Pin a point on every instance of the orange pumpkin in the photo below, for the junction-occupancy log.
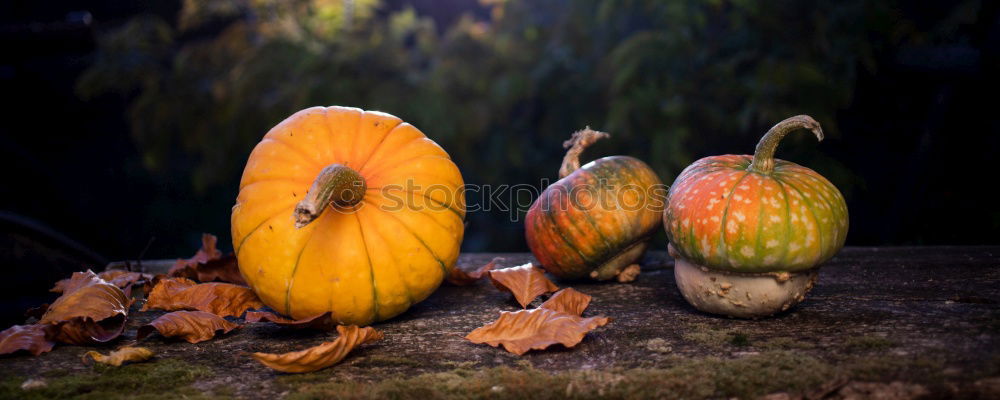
(348, 211)
(596, 220)
(752, 214)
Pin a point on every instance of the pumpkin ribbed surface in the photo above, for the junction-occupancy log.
(725, 215)
(594, 214)
(364, 263)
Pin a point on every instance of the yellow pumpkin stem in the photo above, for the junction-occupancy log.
(763, 156)
(336, 185)
(580, 141)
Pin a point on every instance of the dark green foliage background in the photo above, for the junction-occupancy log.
(500, 84)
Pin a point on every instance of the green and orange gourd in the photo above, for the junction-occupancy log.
(596, 220)
(748, 232)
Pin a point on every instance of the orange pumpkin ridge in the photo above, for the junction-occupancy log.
(775, 216)
(352, 179)
(580, 226)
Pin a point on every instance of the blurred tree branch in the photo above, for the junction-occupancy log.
(672, 81)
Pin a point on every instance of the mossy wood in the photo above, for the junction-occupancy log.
(916, 318)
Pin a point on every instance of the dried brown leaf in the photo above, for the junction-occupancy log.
(192, 326)
(85, 330)
(72, 283)
(120, 356)
(525, 282)
(208, 265)
(222, 299)
(224, 269)
(150, 284)
(117, 277)
(124, 279)
(207, 251)
(536, 329)
(87, 295)
(569, 301)
(322, 322)
(323, 355)
(90, 310)
(460, 277)
(35, 339)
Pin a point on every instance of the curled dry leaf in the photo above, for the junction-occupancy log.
(35, 339)
(525, 282)
(222, 299)
(90, 310)
(322, 356)
(192, 326)
(460, 277)
(150, 284)
(85, 330)
(208, 264)
(124, 279)
(72, 283)
(120, 356)
(117, 277)
(87, 295)
(536, 329)
(569, 301)
(322, 322)
(207, 251)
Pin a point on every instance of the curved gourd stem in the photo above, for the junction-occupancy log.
(336, 185)
(763, 156)
(580, 141)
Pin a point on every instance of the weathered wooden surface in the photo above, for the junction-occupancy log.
(928, 317)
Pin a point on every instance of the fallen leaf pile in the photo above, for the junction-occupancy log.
(93, 309)
(321, 356)
(120, 356)
(192, 326)
(460, 277)
(558, 320)
(208, 265)
(90, 311)
(222, 299)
